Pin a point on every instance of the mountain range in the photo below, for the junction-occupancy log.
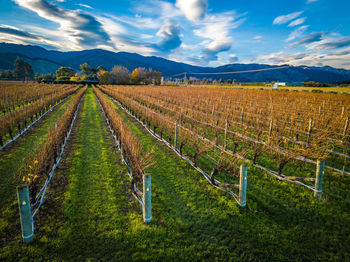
(47, 61)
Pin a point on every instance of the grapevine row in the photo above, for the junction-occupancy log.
(39, 165)
(19, 119)
(283, 150)
(130, 145)
(13, 96)
(222, 165)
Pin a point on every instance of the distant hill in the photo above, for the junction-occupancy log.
(45, 61)
(39, 65)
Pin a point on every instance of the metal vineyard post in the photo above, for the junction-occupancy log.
(147, 204)
(25, 213)
(319, 178)
(243, 185)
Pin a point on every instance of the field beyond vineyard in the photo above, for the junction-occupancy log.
(85, 150)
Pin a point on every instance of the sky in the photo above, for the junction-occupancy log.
(198, 32)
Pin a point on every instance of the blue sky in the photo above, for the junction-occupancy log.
(200, 32)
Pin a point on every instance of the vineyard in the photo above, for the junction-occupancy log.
(173, 173)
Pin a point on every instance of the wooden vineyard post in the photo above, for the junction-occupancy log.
(147, 204)
(225, 142)
(146, 117)
(25, 213)
(270, 130)
(319, 178)
(175, 138)
(243, 185)
(7, 106)
(309, 131)
(242, 114)
(345, 129)
(24, 118)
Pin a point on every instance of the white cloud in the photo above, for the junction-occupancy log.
(312, 58)
(232, 59)
(150, 14)
(82, 30)
(282, 19)
(194, 10)
(170, 34)
(297, 33)
(335, 44)
(341, 52)
(161, 9)
(145, 36)
(111, 26)
(188, 47)
(86, 6)
(258, 38)
(124, 43)
(309, 41)
(298, 21)
(18, 35)
(218, 28)
(139, 21)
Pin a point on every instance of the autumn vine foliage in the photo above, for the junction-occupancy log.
(188, 141)
(39, 165)
(288, 126)
(130, 145)
(16, 95)
(28, 105)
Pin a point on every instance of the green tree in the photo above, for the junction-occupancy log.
(86, 69)
(8, 74)
(139, 75)
(37, 77)
(64, 73)
(101, 68)
(104, 77)
(23, 71)
(50, 77)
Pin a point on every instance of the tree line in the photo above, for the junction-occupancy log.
(118, 75)
(23, 71)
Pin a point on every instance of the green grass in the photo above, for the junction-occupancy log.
(282, 221)
(10, 167)
(97, 202)
(90, 215)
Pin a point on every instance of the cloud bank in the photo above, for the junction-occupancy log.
(170, 33)
(194, 10)
(83, 30)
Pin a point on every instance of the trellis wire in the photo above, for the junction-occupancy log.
(206, 176)
(40, 197)
(29, 126)
(304, 159)
(271, 172)
(124, 158)
(300, 158)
